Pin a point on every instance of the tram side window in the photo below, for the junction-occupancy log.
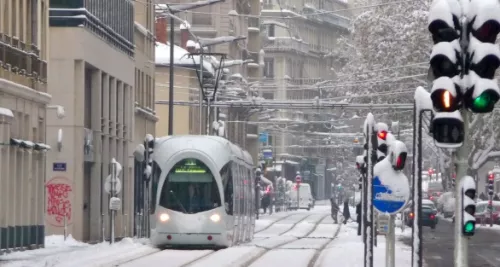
(190, 187)
(227, 183)
(236, 182)
(155, 179)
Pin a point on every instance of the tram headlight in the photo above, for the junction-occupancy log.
(215, 218)
(164, 217)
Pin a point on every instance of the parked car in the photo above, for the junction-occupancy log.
(483, 214)
(446, 204)
(429, 217)
(429, 203)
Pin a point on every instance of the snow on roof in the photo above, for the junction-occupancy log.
(181, 58)
(6, 112)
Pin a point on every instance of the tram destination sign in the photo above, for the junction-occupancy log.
(189, 166)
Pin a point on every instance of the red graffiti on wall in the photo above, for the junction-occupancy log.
(59, 200)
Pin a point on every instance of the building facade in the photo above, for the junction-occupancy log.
(299, 55)
(229, 18)
(144, 87)
(92, 75)
(23, 117)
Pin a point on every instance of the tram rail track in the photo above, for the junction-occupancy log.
(275, 222)
(306, 235)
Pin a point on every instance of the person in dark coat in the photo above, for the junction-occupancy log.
(346, 213)
(335, 210)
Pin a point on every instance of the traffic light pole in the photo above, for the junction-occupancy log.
(461, 255)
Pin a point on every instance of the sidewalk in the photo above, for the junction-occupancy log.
(347, 250)
(71, 253)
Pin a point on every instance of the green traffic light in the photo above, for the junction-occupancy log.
(469, 228)
(484, 102)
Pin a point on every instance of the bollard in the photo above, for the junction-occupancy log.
(65, 227)
(103, 228)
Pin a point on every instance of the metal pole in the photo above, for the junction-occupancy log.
(103, 228)
(417, 189)
(171, 82)
(112, 219)
(491, 211)
(369, 208)
(200, 98)
(390, 248)
(65, 227)
(208, 116)
(461, 242)
(374, 218)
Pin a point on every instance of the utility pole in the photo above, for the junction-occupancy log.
(463, 62)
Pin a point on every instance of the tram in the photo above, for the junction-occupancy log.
(202, 192)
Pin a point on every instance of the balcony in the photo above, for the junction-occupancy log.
(330, 18)
(282, 44)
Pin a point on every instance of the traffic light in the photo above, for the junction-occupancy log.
(483, 56)
(491, 184)
(382, 132)
(397, 155)
(468, 206)
(444, 25)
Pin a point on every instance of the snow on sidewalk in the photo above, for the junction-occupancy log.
(347, 250)
(71, 253)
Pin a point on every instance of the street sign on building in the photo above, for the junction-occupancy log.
(267, 154)
(263, 137)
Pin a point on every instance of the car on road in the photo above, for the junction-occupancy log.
(446, 204)
(483, 214)
(429, 217)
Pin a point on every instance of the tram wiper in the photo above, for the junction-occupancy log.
(178, 202)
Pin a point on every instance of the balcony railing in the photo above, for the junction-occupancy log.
(330, 18)
(286, 43)
(22, 59)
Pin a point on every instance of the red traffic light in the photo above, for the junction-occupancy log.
(491, 176)
(400, 162)
(298, 179)
(382, 135)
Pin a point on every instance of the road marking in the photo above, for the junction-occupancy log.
(486, 259)
(436, 257)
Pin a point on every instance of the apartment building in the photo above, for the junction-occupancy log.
(144, 40)
(229, 18)
(23, 117)
(298, 53)
(92, 74)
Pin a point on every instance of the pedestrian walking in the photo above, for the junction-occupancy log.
(335, 210)
(346, 213)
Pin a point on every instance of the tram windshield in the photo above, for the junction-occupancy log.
(190, 187)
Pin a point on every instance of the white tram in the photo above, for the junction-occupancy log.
(203, 192)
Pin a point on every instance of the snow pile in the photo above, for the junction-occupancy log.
(347, 250)
(71, 253)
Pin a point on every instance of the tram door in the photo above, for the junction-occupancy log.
(236, 199)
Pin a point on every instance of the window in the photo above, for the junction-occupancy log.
(227, 184)
(268, 95)
(155, 178)
(190, 187)
(202, 16)
(270, 30)
(269, 67)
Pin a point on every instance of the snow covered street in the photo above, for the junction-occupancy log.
(292, 239)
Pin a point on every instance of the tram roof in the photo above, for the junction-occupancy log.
(219, 149)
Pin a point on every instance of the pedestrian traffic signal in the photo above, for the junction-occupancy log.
(483, 56)
(382, 132)
(491, 184)
(397, 155)
(468, 206)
